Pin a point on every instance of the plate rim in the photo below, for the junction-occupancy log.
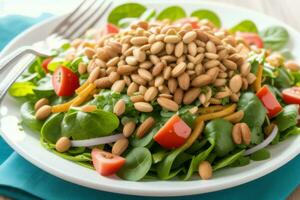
(116, 189)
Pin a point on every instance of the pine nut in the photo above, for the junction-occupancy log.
(167, 72)
(140, 40)
(143, 107)
(201, 80)
(138, 79)
(205, 170)
(63, 144)
(126, 69)
(120, 146)
(235, 117)
(157, 47)
(235, 83)
(113, 77)
(159, 80)
(251, 78)
(169, 48)
(113, 62)
(172, 85)
(145, 127)
(131, 60)
(245, 69)
(146, 65)
(220, 82)
(211, 47)
(191, 95)
(212, 56)
(189, 37)
(292, 65)
(184, 81)
(179, 69)
(137, 98)
(43, 112)
(145, 74)
(178, 96)
(128, 128)
(167, 104)
(40, 103)
(172, 39)
(118, 86)
(157, 69)
(89, 52)
(119, 107)
(150, 94)
(132, 88)
(213, 73)
(212, 63)
(103, 82)
(139, 55)
(88, 108)
(192, 49)
(230, 64)
(94, 75)
(82, 68)
(179, 49)
(142, 89)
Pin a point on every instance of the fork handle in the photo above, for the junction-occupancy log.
(14, 73)
(13, 56)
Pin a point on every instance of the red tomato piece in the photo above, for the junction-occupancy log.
(173, 134)
(106, 163)
(291, 95)
(45, 64)
(109, 28)
(251, 39)
(64, 81)
(269, 101)
(189, 20)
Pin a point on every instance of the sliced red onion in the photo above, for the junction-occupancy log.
(265, 143)
(96, 141)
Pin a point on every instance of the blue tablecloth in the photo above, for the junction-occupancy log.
(21, 180)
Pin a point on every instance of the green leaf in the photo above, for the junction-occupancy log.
(138, 163)
(284, 79)
(219, 131)
(21, 89)
(227, 160)
(289, 132)
(148, 15)
(172, 13)
(261, 154)
(209, 15)
(44, 87)
(249, 102)
(81, 125)
(128, 10)
(244, 26)
(51, 130)
(147, 140)
(275, 37)
(287, 118)
(159, 156)
(28, 117)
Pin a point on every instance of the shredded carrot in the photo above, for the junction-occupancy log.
(227, 111)
(62, 107)
(210, 109)
(257, 82)
(82, 87)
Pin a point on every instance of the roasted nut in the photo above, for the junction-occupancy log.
(145, 127)
(167, 104)
(43, 112)
(119, 107)
(205, 170)
(143, 107)
(120, 146)
(41, 103)
(63, 144)
(128, 128)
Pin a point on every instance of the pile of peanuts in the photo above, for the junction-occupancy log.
(169, 64)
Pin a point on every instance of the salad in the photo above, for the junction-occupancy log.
(163, 95)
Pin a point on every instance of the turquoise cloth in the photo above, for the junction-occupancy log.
(19, 179)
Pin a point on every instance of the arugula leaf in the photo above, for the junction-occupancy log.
(209, 15)
(287, 118)
(289, 132)
(228, 160)
(128, 10)
(261, 154)
(244, 26)
(248, 103)
(275, 37)
(21, 89)
(81, 125)
(172, 13)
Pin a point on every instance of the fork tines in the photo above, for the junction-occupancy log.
(84, 17)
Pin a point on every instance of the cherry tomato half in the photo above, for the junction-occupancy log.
(106, 163)
(251, 39)
(45, 64)
(64, 81)
(109, 28)
(291, 95)
(269, 101)
(173, 134)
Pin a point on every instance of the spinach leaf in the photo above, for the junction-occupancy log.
(138, 163)
(284, 79)
(21, 89)
(196, 161)
(147, 140)
(198, 144)
(44, 87)
(51, 130)
(244, 26)
(124, 11)
(159, 156)
(227, 160)
(287, 54)
(81, 125)
(289, 132)
(219, 131)
(261, 154)
(254, 115)
(287, 118)
(172, 13)
(181, 159)
(242, 161)
(275, 37)
(209, 15)
(28, 117)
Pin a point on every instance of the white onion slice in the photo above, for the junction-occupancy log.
(265, 143)
(96, 141)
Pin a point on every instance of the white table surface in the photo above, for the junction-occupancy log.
(284, 10)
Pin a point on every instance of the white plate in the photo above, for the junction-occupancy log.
(27, 144)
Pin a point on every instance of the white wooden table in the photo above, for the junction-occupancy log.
(284, 10)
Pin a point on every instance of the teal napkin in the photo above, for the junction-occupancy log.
(19, 179)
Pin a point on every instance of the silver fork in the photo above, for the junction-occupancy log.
(85, 16)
